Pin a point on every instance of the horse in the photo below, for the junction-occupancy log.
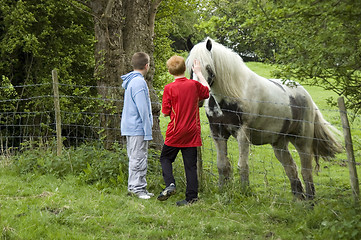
(256, 110)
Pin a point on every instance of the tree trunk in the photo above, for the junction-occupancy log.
(122, 27)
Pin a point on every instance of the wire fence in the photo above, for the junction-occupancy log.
(27, 114)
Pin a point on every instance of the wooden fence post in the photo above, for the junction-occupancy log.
(59, 143)
(349, 149)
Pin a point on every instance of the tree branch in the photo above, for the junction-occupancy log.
(108, 9)
(152, 13)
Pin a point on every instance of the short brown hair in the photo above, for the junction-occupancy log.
(139, 60)
(176, 65)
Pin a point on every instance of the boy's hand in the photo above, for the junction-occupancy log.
(197, 70)
(196, 66)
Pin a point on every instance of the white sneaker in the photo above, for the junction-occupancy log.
(143, 195)
(149, 193)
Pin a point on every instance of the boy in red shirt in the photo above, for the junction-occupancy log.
(180, 102)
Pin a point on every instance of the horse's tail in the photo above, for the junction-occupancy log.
(325, 142)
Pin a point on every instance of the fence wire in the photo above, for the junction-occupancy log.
(27, 114)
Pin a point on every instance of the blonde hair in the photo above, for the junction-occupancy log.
(176, 65)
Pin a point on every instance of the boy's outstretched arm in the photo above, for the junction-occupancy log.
(197, 70)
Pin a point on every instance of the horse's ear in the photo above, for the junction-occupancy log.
(209, 44)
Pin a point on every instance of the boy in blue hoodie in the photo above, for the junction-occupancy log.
(136, 124)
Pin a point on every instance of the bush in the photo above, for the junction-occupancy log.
(92, 163)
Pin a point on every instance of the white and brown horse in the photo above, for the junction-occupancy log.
(258, 111)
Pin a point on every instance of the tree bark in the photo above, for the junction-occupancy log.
(122, 27)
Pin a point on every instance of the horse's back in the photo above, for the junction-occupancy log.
(278, 111)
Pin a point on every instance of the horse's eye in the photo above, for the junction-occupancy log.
(210, 71)
(211, 75)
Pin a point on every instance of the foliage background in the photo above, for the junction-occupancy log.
(81, 195)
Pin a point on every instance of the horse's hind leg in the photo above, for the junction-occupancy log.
(284, 156)
(223, 163)
(304, 151)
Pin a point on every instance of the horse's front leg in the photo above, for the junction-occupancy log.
(243, 140)
(223, 164)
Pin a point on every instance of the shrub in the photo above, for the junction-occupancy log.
(92, 163)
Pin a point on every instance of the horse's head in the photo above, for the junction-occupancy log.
(202, 52)
(223, 68)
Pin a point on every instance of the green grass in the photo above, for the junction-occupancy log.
(38, 205)
(44, 207)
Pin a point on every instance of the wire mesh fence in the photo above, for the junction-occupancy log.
(27, 115)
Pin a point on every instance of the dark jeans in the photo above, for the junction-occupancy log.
(189, 154)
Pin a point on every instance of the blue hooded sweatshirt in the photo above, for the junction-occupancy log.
(137, 119)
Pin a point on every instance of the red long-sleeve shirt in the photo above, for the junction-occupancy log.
(180, 102)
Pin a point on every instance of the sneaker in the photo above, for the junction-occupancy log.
(185, 202)
(167, 192)
(142, 195)
(149, 193)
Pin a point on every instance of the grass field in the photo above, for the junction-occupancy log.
(44, 206)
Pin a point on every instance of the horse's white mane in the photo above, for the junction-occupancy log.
(230, 71)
